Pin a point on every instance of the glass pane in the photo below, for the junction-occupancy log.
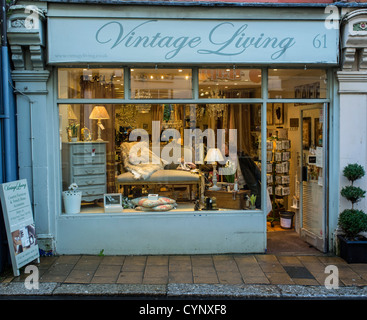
(312, 171)
(161, 83)
(142, 149)
(88, 149)
(77, 83)
(229, 83)
(297, 84)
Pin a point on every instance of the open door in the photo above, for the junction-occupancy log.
(314, 175)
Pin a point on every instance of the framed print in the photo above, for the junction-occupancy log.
(112, 202)
(306, 133)
(318, 133)
(278, 112)
(255, 115)
(269, 114)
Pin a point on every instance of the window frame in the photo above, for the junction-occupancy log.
(264, 100)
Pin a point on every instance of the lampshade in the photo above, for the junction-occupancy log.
(71, 113)
(214, 155)
(99, 112)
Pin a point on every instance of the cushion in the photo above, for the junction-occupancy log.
(162, 176)
(149, 203)
(162, 207)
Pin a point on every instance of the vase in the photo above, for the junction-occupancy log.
(72, 201)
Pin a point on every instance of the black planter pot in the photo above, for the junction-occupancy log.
(353, 251)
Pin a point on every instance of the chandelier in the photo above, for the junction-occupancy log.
(172, 123)
(216, 110)
(143, 108)
(126, 116)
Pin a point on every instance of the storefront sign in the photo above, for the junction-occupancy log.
(19, 223)
(191, 41)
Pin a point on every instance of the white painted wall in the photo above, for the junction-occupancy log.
(353, 140)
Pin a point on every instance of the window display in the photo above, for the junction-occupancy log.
(164, 149)
(229, 83)
(124, 149)
(297, 83)
(77, 83)
(161, 83)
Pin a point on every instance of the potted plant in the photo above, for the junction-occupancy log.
(72, 199)
(353, 246)
(72, 130)
(252, 202)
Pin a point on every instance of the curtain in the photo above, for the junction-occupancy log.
(239, 118)
(92, 90)
(157, 112)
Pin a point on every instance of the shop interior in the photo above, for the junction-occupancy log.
(293, 145)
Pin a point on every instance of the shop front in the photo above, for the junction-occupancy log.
(206, 123)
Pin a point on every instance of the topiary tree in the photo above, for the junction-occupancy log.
(353, 172)
(353, 194)
(352, 221)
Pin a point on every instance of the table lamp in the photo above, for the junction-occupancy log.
(99, 113)
(213, 156)
(71, 113)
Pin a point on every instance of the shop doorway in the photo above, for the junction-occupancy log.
(297, 177)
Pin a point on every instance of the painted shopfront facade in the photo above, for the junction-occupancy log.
(265, 82)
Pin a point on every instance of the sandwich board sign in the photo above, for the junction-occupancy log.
(19, 223)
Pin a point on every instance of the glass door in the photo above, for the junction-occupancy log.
(314, 173)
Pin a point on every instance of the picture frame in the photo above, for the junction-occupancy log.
(306, 133)
(278, 113)
(317, 132)
(112, 202)
(269, 114)
(255, 115)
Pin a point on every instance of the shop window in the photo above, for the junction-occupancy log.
(229, 83)
(297, 84)
(165, 149)
(161, 83)
(77, 83)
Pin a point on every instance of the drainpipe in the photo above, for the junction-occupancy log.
(9, 126)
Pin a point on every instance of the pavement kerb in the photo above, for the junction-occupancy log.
(15, 290)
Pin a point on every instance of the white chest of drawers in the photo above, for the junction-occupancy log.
(85, 164)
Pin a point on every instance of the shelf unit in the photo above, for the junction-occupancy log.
(277, 175)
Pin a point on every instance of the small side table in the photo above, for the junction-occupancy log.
(229, 200)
